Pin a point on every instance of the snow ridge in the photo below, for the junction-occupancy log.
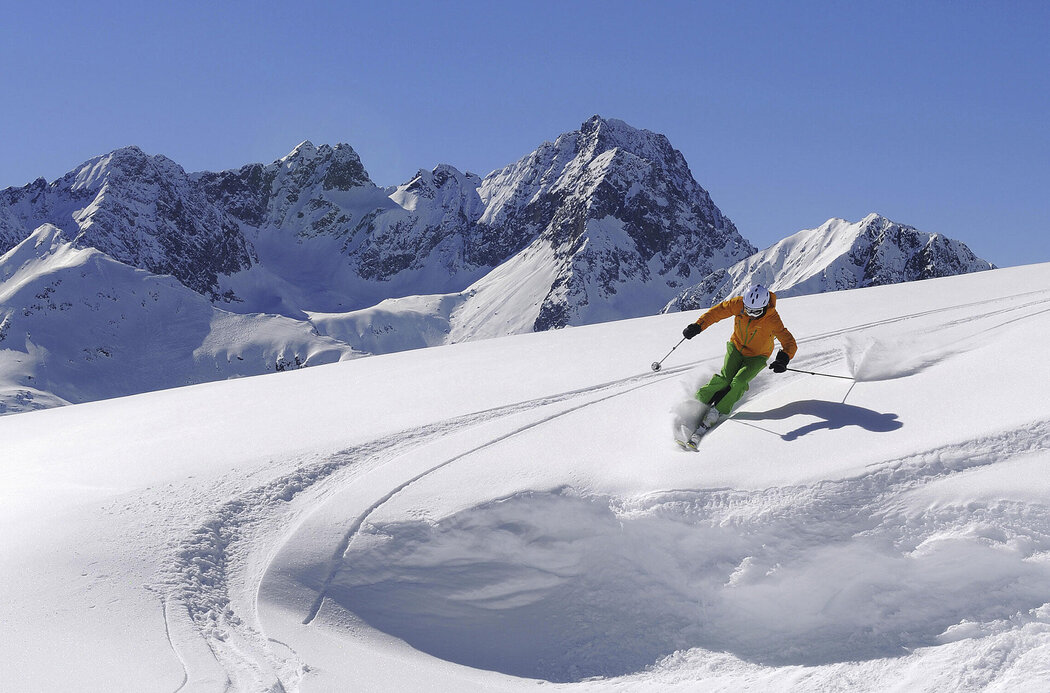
(835, 256)
(76, 325)
(690, 562)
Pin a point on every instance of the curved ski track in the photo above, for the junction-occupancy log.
(199, 580)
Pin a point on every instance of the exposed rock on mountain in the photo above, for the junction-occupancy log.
(328, 239)
(138, 209)
(435, 226)
(834, 256)
(298, 192)
(625, 219)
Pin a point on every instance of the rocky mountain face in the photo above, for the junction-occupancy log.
(834, 256)
(437, 217)
(623, 216)
(328, 239)
(296, 191)
(141, 210)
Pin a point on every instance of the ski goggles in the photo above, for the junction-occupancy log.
(754, 312)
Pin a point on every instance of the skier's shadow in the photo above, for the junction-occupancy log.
(834, 414)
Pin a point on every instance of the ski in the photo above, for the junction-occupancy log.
(687, 445)
(684, 438)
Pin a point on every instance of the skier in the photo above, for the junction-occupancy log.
(755, 324)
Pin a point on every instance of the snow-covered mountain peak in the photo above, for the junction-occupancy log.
(46, 234)
(598, 135)
(621, 212)
(443, 183)
(21, 261)
(610, 132)
(129, 164)
(334, 168)
(141, 210)
(559, 165)
(301, 194)
(838, 255)
(304, 149)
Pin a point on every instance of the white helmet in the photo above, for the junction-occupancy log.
(756, 298)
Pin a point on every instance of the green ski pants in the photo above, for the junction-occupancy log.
(726, 388)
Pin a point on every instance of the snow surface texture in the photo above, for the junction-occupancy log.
(508, 513)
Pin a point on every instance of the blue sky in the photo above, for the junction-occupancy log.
(934, 114)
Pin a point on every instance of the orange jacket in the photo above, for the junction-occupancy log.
(752, 336)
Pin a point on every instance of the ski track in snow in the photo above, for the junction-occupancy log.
(742, 539)
(199, 580)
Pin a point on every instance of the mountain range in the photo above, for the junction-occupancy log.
(129, 274)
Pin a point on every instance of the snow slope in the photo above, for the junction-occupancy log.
(511, 514)
(77, 325)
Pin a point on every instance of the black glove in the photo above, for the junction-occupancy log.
(780, 363)
(691, 330)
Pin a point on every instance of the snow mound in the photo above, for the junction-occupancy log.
(564, 587)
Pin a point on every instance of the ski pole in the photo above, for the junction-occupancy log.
(826, 375)
(656, 364)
